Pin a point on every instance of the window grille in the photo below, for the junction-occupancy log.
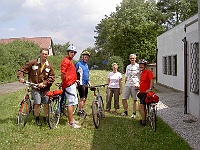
(194, 67)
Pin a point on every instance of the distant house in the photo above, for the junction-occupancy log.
(42, 42)
(178, 62)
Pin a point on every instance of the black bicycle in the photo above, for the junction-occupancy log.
(98, 111)
(57, 106)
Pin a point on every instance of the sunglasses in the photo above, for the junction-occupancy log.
(131, 58)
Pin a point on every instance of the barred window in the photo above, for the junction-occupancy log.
(164, 64)
(194, 67)
(174, 65)
(169, 65)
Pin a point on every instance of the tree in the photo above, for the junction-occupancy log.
(131, 29)
(61, 49)
(118, 60)
(173, 12)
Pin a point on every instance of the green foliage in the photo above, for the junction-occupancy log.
(173, 12)
(131, 29)
(61, 49)
(13, 56)
(118, 60)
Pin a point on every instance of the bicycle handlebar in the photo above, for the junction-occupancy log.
(101, 85)
(27, 83)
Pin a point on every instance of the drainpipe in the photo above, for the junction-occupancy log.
(156, 65)
(185, 75)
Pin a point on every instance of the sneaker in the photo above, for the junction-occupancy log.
(37, 120)
(45, 120)
(81, 113)
(143, 124)
(133, 116)
(124, 114)
(74, 126)
(76, 122)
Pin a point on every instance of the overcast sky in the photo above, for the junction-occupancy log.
(63, 20)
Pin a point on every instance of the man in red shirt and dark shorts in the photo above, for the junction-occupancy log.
(146, 85)
(68, 77)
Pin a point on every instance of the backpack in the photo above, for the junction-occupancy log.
(151, 98)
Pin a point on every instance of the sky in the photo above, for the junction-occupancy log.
(62, 20)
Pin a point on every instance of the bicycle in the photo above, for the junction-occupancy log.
(98, 111)
(25, 105)
(57, 106)
(152, 115)
(151, 100)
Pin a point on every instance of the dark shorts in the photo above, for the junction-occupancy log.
(142, 97)
(83, 91)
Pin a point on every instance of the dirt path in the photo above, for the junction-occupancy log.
(11, 87)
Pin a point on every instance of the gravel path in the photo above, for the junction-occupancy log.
(11, 87)
(170, 109)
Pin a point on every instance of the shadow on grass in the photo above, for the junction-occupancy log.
(125, 133)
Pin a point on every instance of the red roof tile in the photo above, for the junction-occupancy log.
(43, 42)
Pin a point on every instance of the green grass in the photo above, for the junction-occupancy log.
(115, 132)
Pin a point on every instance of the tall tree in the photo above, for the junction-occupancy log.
(174, 12)
(131, 29)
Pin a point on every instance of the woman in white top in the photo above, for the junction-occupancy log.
(114, 87)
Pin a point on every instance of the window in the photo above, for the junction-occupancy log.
(164, 65)
(169, 65)
(194, 67)
(174, 65)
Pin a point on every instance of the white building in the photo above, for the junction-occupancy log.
(178, 62)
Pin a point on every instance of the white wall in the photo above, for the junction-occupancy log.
(170, 43)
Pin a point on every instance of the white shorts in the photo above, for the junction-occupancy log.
(71, 95)
(129, 90)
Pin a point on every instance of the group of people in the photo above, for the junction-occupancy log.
(74, 77)
(138, 82)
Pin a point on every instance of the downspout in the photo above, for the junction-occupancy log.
(156, 65)
(185, 75)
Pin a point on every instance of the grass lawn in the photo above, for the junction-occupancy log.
(115, 132)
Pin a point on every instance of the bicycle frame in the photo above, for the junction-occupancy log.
(152, 115)
(97, 105)
(57, 106)
(25, 105)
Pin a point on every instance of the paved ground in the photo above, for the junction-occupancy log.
(170, 109)
(11, 87)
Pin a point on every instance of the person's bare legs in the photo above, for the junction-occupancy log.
(37, 113)
(143, 113)
(82, 103)
(46, 106)
(70, 110)
(135, 106)
(125, 106)
(36, 110)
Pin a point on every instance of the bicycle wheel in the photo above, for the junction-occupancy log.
(53, 113)
(95, 114)
(102, 110)
(23, 113)
(153, 120)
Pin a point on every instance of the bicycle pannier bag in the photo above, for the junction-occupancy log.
(151, 98)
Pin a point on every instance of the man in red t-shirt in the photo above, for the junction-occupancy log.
(146, 85)
(68, 77)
